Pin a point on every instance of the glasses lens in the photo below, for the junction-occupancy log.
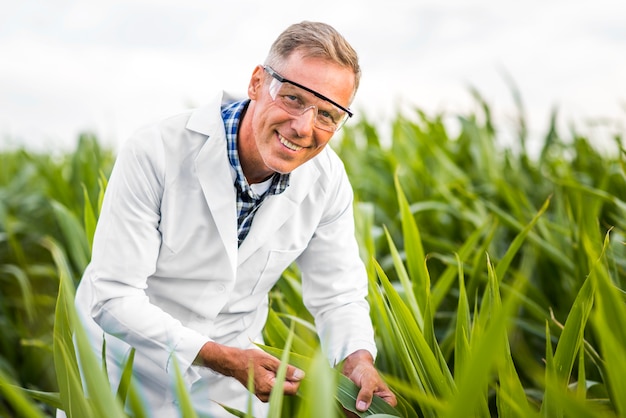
(296, 101)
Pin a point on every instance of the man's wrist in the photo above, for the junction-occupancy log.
(214, 356)
(354, 358)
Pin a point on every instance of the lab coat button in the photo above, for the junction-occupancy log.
(220, 288)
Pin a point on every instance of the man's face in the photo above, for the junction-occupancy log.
(275, 140)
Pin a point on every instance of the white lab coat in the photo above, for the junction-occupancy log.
(166, 275)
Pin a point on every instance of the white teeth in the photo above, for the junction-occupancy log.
(288, 144)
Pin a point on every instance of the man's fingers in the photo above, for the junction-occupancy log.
(290, 388)
(364, 398)
(389, 397)
(272, 364)
(264, 385)
(294, 374)
(359, 367)
(371, 389)
(292, 380)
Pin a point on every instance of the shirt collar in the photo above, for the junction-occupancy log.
(231, 114)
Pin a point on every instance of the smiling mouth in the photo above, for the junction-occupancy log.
(289, 144)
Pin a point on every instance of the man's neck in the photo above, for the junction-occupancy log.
(252, 165)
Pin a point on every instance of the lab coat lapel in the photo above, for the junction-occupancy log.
(276, 209)
(214, 175)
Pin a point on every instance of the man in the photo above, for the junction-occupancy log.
(202, 214)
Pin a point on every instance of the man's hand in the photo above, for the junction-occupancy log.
(238, 363)
(359, 367)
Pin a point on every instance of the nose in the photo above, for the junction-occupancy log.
(303, 124)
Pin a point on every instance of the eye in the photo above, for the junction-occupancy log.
(326, 116)
(292, 100)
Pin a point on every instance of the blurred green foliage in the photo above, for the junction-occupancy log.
(497, 276)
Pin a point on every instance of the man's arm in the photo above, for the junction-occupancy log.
(125, 252)
(335, 286)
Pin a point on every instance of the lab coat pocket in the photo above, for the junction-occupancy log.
(277, 262)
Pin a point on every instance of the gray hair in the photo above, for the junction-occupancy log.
(315, 40)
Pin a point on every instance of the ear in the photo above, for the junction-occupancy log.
(256, 82)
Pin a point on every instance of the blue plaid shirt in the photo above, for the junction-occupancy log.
(247, 200)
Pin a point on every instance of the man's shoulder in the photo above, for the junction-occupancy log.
(328, 162)
(188, 127)
(202, 119)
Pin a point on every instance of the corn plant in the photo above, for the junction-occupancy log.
(496, 278)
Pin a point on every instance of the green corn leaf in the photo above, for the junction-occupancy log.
(463, 321)
(504, 263)
(70, 341)
(512, 401)
(415, 258)
(385, 336)
(581, 383)
(550, 250)
(277, 394)
(407, 283)
(318, 389)
(89, 218)
(417, 358)
(102, 183)
(250, 390)
(66, 363)
(430, 335)
(276, 333)
(475, 373)
(185, 406)
(125, 381)
(442, 287)
(549, 406)
(22, 404)
(22, 279)
(74, 236)
(49, 398)
(572, 335)
(609, 318)
(233, 411)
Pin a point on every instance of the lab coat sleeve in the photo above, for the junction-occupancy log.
(334, 278)
(125, 251)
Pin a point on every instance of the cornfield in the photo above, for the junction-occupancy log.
(496, 277)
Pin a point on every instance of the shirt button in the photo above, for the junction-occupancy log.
(220, 288)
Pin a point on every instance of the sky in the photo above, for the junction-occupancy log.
(110, 67)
